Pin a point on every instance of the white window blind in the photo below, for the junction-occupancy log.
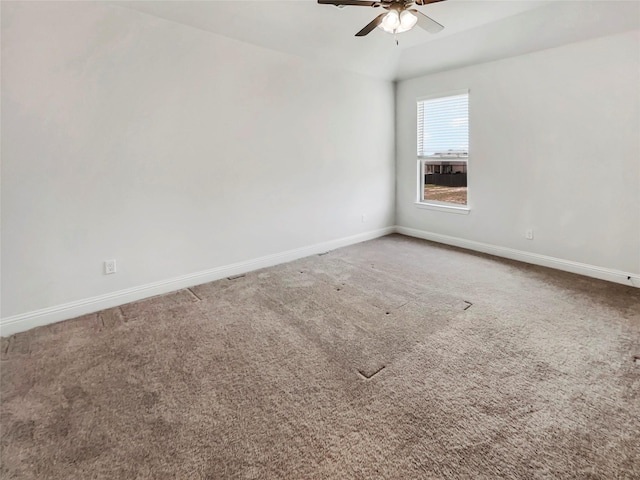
(443, 126)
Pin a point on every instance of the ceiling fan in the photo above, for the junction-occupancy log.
(400, 17)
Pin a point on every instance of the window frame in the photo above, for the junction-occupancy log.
(423, 161)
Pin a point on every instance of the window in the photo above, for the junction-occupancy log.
(443, 150)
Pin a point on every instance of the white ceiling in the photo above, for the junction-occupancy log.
(475, 30)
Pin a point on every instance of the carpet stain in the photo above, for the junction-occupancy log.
(84, 453)
(150, 400)
(59, 425)
(160, 428)
(21, 430)
(74, 393)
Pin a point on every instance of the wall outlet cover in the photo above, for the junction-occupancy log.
(109, 267)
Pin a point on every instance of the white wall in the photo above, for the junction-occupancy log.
(173, 151)
(554, 146)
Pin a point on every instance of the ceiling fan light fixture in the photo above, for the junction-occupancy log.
(400, 16)
(407, 20)
(390, 22)
(394, 22)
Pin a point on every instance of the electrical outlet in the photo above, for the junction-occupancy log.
(364, 217)
(528, 234)
(109, 267)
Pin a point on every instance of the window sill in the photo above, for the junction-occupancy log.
(443, 207)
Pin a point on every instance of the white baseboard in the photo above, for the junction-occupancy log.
(45, 316)
(618, 276)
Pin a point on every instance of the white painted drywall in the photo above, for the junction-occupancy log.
(173, 151)
(554, 146)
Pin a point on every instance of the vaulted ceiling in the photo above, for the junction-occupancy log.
(475, 30)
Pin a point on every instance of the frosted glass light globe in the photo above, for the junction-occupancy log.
(407, 20)
(391, 21)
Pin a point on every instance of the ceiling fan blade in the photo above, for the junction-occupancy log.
(427, 23)
(427, 2)
(371, 26)
(359, 3)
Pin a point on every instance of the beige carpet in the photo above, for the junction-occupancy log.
(394, 358)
